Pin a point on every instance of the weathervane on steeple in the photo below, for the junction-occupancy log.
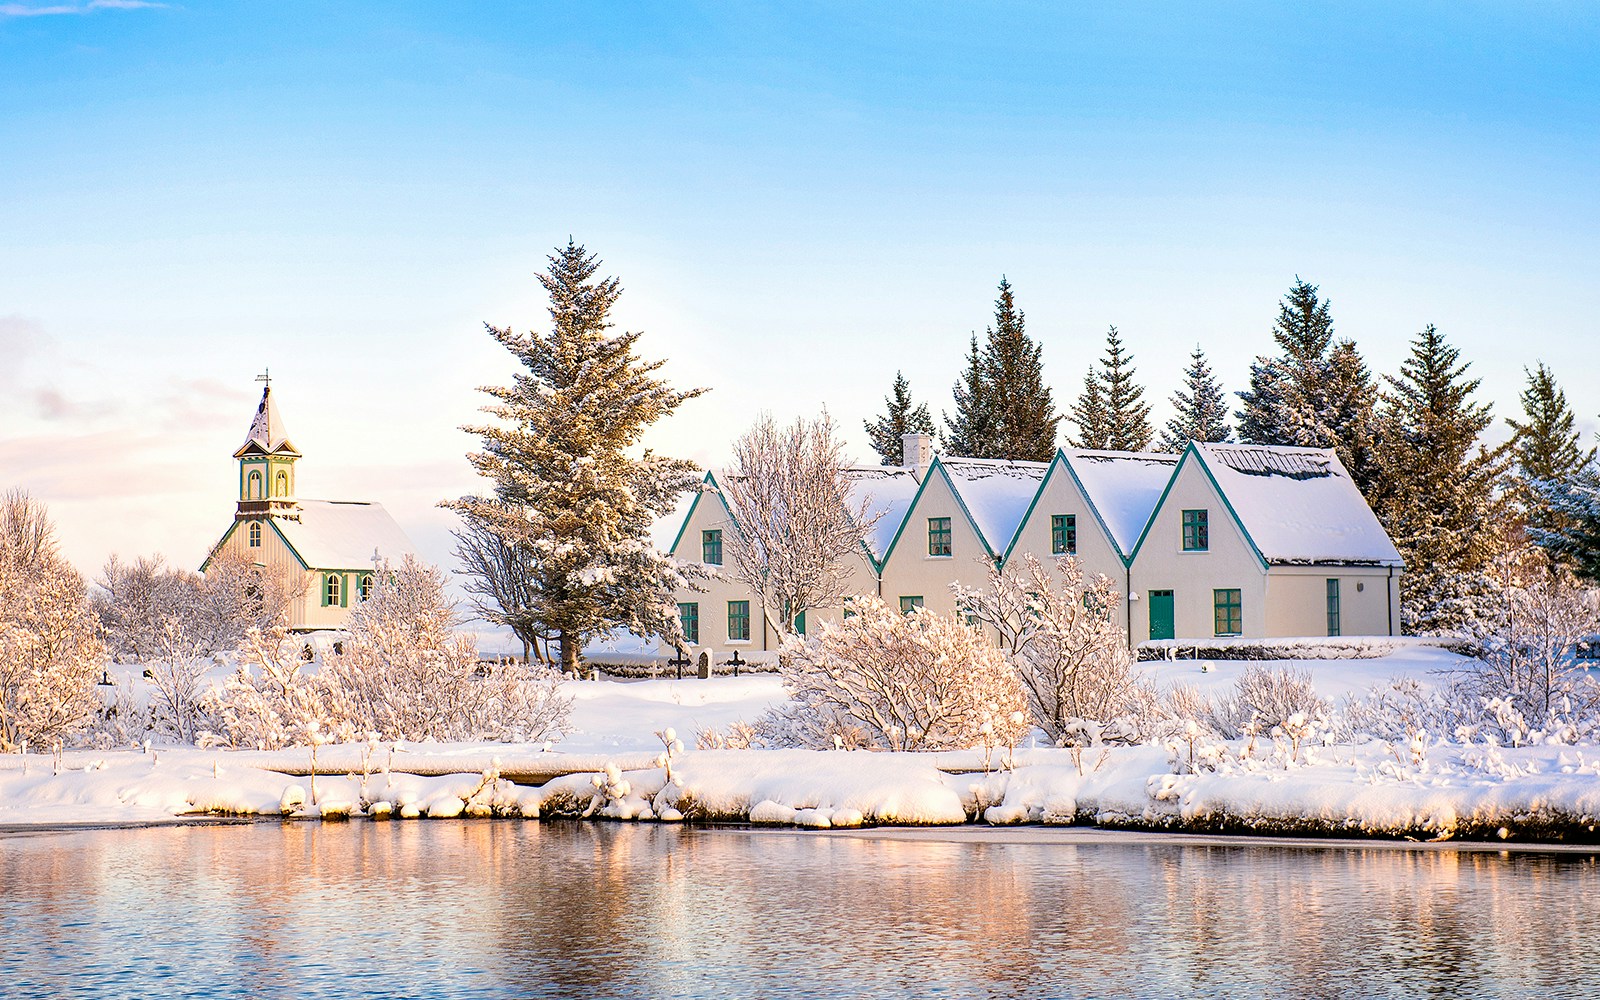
(265, 377)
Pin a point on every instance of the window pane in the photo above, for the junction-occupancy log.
(910, 604)
(1333, 607)
(689, 615)
(1064, 534)
(1195, 531)
(711, 547)
(738, 619)
(1229, 612)
(938, 536)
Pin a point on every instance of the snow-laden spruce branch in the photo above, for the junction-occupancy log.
(796, 539)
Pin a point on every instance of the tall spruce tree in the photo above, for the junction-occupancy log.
(569, 493)
(1545, 449)
(971, 431)
(1202, 410)
(1352, 415)
(1571, 534)
(1025, 417)
(887, 433)
(1111, 414)
(1440, 498)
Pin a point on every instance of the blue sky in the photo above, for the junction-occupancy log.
(799, 201)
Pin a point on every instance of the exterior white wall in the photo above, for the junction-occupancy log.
(1096, 554)
(1297, 600)
(305, 606)
(1193, 577)
(911, 571)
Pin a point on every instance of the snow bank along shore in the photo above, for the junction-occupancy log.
(612, 768)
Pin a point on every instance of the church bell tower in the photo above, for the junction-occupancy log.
(266, 463)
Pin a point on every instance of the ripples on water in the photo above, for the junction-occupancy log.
(501, 908)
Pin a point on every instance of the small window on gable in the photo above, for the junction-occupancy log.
(255, 534)
(280, 484)
(1064, 534)
(938, 536)
(711, 547)
(1196, 531)
(331, 590)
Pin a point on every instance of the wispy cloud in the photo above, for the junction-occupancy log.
(87, 7)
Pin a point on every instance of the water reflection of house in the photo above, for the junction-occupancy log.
(1218, 541)
(324, 549)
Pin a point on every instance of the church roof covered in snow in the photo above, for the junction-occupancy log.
(1298, 505)
(888, 491)
(1123, 487)
(342, 534)
(266, 435)
(996, 494)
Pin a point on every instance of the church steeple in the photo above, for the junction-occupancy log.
(266, 462)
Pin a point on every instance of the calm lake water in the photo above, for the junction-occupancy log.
(504, 908)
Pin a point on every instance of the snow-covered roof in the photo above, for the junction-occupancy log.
(996, 493)
(342, 534)
(266, 435)
(1124, 487)
(1298, 505)
(887, 489)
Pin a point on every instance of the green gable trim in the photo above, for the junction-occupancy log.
(712, 482)
(911, 511)
(258, 520)
(1016, 536)
(1216, 488)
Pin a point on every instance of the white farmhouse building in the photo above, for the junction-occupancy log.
(1220, 540)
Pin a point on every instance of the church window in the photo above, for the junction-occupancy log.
(255, 534)
(330, 590)
(366, 586)
(254, 491)
(280, 485)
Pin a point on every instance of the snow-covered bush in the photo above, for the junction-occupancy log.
(403, 672)
(181, 705)
(1069, 653)
(1262, 699)
(50, 655)
(895, 681)
(140, 604)
(271, 701)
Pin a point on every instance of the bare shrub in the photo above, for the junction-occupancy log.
(1264, 698)
(1070, 655)
(894, 681)
(50, 655)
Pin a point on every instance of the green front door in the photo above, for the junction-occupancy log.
(1160, 614)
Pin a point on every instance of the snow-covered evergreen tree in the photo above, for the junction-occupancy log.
(1261, 405)
(903, 416)
(1111, 413)
(1545, 448)
(970, 432)
(1025, 417)
(1352, 415)
(569, 492)
(1440, 499)
(1201, 409)
(1571, 533)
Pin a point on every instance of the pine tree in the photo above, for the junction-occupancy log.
(569, 492)
(1025, 417)
(1544, 449)
(887, 433)
(1440, 499)
(1089, 414)
(1352, 400)
(1261, 408)
(1111, 414)
(1287, 400)
(1571, 534)
(970, 432)
(1201, 410)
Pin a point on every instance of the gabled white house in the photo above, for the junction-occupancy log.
(1252, 540)
(1221, 540)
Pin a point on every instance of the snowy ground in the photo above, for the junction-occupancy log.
(1441, 790)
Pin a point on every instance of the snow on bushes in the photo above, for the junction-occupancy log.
(401, 674)
(894, 681)
(1069, 652)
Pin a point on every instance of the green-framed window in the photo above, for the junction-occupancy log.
(255, 534)
(910, 604)
(366, 586)
(738, 620)
(689, 616)
(333, 590)
(1229, 607)
(938, 536)
(1196, 531)
(1064, 534)
(1333, 606)
(711, 546)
